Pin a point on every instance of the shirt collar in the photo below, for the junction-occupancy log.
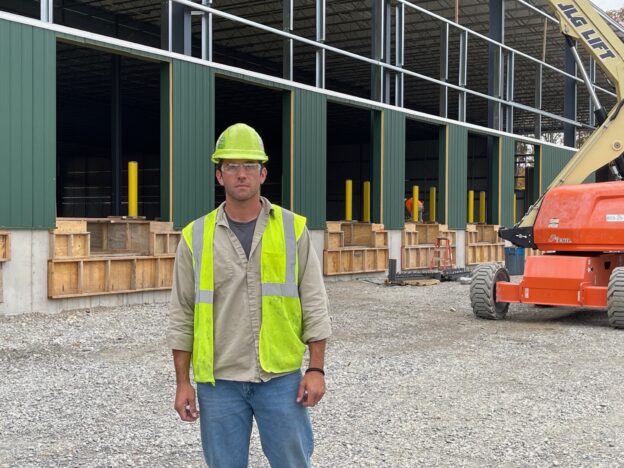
(267, 209)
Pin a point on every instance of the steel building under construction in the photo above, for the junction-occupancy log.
(475, 105)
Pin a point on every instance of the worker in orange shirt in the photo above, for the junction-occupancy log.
(409, 206)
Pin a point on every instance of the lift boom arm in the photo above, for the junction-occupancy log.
(579, 21)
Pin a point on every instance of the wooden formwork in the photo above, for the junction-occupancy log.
(163, 243)
(69, 244)
(416, 256)
(109, 256)
(354, 260)
(483, 244)
(482, 233)
(108, 275)
(352, 247)
(485, 253)
(418, 243)
(5, 246)
(427, 233)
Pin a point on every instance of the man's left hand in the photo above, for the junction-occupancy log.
(311, 388)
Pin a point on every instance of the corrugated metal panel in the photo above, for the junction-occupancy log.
(393, 169)
(309, 156)
(552, 161)
(453, 177)
(193, 141)
(507, 167)
(27, 126)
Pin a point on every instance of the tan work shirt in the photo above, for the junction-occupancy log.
(237, 306)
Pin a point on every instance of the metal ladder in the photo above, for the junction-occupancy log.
(442, 257)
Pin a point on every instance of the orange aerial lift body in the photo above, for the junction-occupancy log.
(582, 218)
(578, 227)
(581, 229)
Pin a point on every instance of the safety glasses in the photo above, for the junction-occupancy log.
(233, 168)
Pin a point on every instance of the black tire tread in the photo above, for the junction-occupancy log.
(482, 297)
(615, 298)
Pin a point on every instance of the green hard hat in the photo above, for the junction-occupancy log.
(239, 141)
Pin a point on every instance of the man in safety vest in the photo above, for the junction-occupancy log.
(248, 297)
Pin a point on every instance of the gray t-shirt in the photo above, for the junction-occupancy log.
(244, 232)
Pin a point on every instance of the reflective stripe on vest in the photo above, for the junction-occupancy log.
(289, 288)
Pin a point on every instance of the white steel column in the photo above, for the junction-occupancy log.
(206, 32)
(509, 92)
(444, 69)
(287, 26)
(399, 79)
(320, 37)
(47, 11)
(463, 73)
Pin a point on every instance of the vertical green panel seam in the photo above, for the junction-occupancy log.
(38, 204)
(27, 186)
(15, 150)
(5, 134)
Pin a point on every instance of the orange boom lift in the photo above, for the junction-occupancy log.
(580, 228)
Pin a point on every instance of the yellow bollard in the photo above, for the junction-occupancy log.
(514, 208)
(415, 205)
(348, 200)
(482, 207)
(133, 189)
(470, 206)
(366, 203)
(432, 205)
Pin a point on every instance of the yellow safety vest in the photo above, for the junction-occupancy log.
(280, 346)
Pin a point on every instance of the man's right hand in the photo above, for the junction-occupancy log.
(185, 403)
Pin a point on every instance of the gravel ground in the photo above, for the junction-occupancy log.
(413, 380)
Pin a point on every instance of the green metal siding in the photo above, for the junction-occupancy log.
(27, 127)
(552, 160)
(193, 141)
(453, 177)
(393, 169)
(310, 157)
(505, 194)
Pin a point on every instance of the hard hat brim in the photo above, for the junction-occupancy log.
(238, 154)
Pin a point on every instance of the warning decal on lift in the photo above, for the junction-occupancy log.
(615, 218)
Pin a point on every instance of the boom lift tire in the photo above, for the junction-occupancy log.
(483, 292)
(615, 298)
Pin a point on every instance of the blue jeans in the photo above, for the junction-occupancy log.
(226, 411)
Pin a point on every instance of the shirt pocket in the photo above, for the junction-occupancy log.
(223, 274)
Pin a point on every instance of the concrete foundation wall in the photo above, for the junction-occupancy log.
(25, 281)
(460, 249)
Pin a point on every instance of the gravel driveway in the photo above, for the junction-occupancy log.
(413, 380)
